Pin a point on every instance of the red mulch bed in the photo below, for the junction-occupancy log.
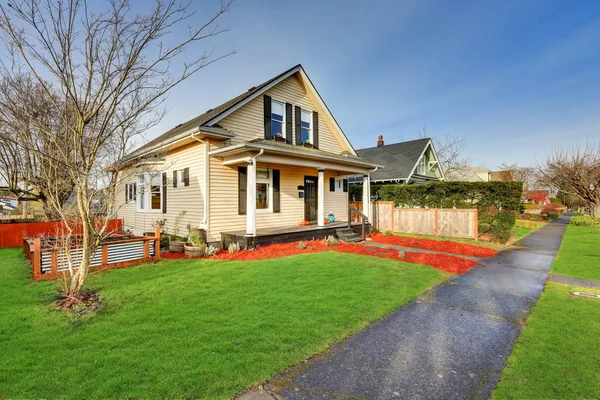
(447, 246)
(452, 264)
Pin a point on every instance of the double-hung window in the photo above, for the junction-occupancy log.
(264, 187)
(277, 118)
(306, 131)
(149, 193)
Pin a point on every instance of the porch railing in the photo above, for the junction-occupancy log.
(363, 219)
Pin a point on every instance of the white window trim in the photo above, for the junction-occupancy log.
(268, 181)
(148, 194)
(284, 133)
(341, 182)
(310, 124)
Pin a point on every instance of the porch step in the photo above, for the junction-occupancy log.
(348, 235)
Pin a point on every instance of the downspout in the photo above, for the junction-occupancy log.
(205, 200)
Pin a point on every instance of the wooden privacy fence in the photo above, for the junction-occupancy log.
(11, 235)
(459, 223)
(49, 259)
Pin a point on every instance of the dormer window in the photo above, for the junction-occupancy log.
(306, 131)
(277, 118)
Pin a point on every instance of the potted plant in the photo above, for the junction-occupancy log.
(195, 246)
(279, 138)
(331, 217)
(308, 144)
(177, 242)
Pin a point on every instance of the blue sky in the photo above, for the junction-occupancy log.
(512, 77)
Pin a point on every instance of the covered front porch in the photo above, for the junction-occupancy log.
(287, 194)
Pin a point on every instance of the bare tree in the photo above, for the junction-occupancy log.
(105, 75)
(528, 175)
(575, 170)
(26, 158)
(451, 152)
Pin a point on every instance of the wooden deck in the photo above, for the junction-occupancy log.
(284, 234)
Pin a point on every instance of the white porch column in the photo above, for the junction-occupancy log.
(321, 199)
(367, 196)
(251, 199)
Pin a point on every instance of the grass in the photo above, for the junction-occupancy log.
(556, 356)
(579, 255)
(191, 329)
(523, 228)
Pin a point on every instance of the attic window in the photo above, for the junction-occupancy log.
(277, 118)
(305, 126)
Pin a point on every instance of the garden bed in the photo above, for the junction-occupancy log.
(447, 263)
(49, 260)
(446, 246)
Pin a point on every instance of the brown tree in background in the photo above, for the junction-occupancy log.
(102, 76)
(575, 170)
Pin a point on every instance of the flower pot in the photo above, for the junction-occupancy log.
(331, 217)
(279, 139)
(192, 251)
(308, 144)
(176, 246)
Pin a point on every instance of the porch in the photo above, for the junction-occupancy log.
(279, 186)
(288, 234)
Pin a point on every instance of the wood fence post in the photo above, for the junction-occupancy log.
(476, 219)
(146, 250)
(437, 222)
(157, 242)
(104, 255)
(36, 265)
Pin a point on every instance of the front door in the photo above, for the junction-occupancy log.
(310, 198)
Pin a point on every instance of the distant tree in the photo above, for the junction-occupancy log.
(575, 170)
(528, 175)
(450, 151)
(103, 76)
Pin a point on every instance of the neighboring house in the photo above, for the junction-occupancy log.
(502, 176)
(265, 161)
(470, 174)
(414, 161)
(539, 197)
(8, 204)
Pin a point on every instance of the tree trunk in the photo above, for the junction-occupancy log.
(88, 243)
(596, 209)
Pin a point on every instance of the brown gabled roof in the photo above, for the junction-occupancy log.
(202, 119)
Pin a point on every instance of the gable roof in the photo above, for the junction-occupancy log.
(399, 159)
(211, 117)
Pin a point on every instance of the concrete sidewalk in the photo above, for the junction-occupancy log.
(450, 343)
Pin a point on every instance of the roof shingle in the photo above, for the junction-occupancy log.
(399, 159)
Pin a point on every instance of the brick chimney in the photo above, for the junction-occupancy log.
(379, 140)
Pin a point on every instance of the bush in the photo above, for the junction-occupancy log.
(234, 247)
(552, 216)
(585, 220)
(530, 206)
(502, 226)
(210, 251)
(526, 223)
(331, 241)
(301, 245)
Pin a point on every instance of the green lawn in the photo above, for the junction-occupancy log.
(579, 254)
(556, 356)
(523, 228)
(202, 329)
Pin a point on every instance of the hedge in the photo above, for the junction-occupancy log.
(497, 202)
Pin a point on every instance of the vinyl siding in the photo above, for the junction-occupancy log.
(188, 198)
(248, 121)
(223, 212)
